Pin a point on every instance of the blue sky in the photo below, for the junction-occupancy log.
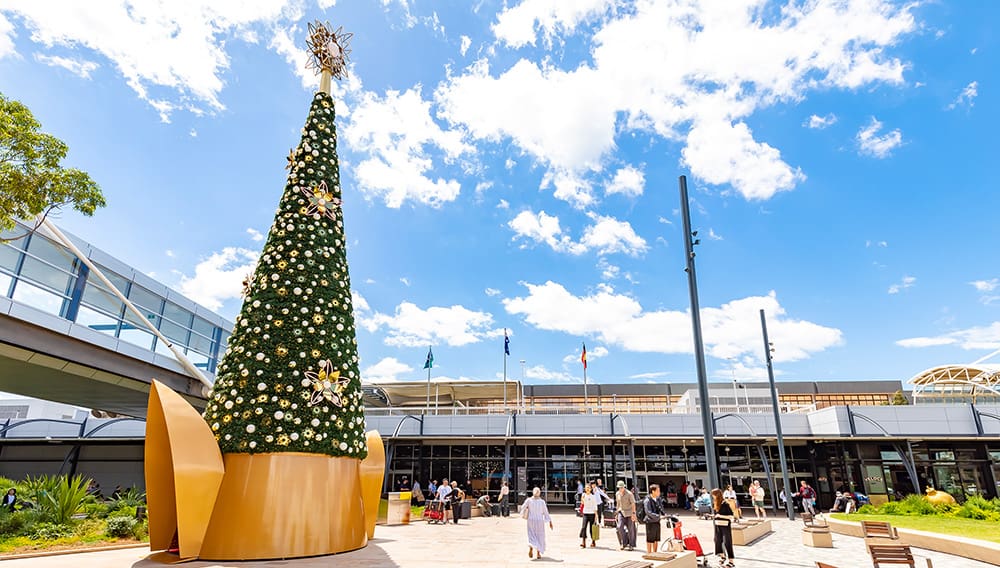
(515, 165)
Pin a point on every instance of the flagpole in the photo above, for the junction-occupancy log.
(583, 358)
(505, 371)
(428, 364)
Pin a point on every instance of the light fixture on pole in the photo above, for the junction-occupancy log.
(768, 350)
(707, 424)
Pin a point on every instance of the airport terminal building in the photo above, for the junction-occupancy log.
(64, 337)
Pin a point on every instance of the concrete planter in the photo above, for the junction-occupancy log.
(980, 550)
(744, 535)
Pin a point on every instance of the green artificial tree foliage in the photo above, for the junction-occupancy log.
(289, 379)
(32, 179)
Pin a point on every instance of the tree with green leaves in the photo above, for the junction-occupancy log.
(289, 379)
(899, 399)
(33, 180)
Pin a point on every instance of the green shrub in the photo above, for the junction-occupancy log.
(976, 507)
(917, 505)
(131, 497)
(65, 498)
(96, 510)
(120, 527)
(20, 523)
(890, 508)
(868, 510)
(51, 531)
(141, 530)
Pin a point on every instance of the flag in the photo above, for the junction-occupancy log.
(430, 359)
(583, 358)
(506, 342)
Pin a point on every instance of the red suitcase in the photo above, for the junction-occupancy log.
(691, 543)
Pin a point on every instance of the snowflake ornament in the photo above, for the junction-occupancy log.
(322, 202)
(326, 385)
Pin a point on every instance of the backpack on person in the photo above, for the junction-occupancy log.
(640, 511)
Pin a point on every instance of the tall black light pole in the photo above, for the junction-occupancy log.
(707, 424)
(777, 420)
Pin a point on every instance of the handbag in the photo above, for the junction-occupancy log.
(595, 531)
(723, 521)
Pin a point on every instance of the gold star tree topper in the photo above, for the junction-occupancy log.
(328, 51)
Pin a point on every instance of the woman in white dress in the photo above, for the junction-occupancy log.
(537, 513)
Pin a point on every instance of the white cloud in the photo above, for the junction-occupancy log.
(219, 277)
(569, 187)
(387, 370)
(721, 152)
(628, 180)
(821, 122)
(492, 292)
(606, 236)
(731, 330)
(608, 271)
(255, 235)
(873, 144)
(174, 48)
(411, 326)
(79, 67)
(906, 282)
(503, 204)
(193, 133)
(967, 96)
(713, 236)
(703, 88)
(653, 375)
(6, 37)
(926, 341)
(542, 374)
(664, 220)
(544, 228)
(515, 25)
(169, 253)
(593, 353)
(985, 285)
(973, 338)
(466, 43)
(396, 132)
(405, 281)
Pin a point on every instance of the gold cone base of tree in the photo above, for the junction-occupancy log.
(267, 506)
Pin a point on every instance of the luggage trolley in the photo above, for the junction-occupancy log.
(434, 512)
(677, 540)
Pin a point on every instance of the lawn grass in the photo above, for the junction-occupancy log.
(24, 544)
(969, 528)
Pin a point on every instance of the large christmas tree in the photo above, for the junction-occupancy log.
(289, 379)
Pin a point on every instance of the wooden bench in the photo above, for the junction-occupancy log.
(824, 565)
(878, 529)
(816, 534)
(744, 534)
(633, 564)
(893, 554)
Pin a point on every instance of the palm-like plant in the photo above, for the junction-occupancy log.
(61, 497)
(131, 497)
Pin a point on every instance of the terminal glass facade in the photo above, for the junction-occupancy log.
(44, 275)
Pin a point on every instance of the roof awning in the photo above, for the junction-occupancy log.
(454, 393)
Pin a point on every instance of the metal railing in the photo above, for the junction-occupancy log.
(577, 409)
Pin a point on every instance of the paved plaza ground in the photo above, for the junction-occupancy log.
(502, 542)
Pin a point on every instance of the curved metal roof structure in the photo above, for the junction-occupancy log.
(957, 381)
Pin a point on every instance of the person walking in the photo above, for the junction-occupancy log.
(588, 504)
(690, 494)
(625, 517)
(602, 499)
(808, 495)
(723, 520)
(730, 497)
(417, 498)
(536, 511)
(757, 495)
(504, 500)
(457, 496)
(443, 495)
(653, 510)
